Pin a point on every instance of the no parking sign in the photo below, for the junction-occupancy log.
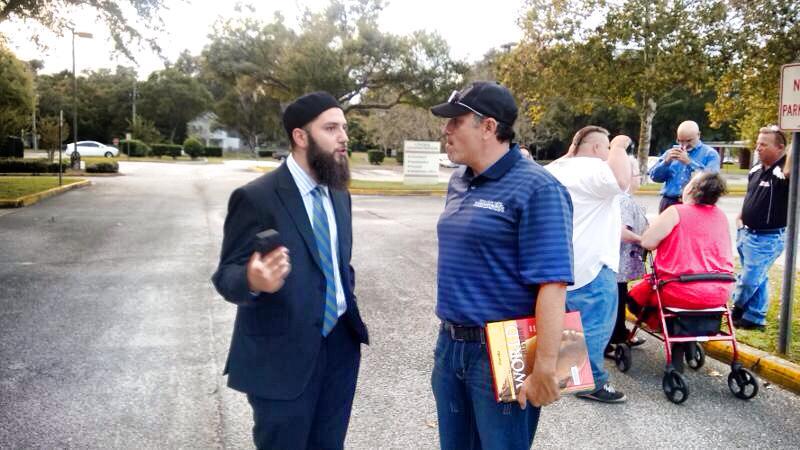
(789, 110)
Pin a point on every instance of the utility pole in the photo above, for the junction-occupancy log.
(75, 157)
(60, 140)
(133, 104)
(34, 137)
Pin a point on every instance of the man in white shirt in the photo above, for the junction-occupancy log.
(595, 172)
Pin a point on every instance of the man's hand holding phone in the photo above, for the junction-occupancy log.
(269, 264)
(678, 153)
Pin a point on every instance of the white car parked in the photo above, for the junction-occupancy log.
(92, 148)
(444, 161)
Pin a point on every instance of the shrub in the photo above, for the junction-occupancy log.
(215, 152)
(31, 166)
(137, 148)
(399, 157)
(165, 150)
(103, 167)
(264, 153)
(193, 147)
(375, 156)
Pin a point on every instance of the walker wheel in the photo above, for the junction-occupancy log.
(742, 383)
(675, 387)
(622, 357)
(695, 356)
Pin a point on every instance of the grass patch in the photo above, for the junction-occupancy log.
(767, 340)
(656, 187)
(360, 159)
(728, 168)
(396, 185)
(12, 188)
(169, 159)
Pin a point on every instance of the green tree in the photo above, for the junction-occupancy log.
(144, 130)
(248, 109)
(104, 101)
(251, 66)
(389, 128)
(56, 16)
(16, 94)
(761, 36)
(639, 57)
(170, 99)
(48, 129)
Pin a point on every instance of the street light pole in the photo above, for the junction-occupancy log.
(75, 158)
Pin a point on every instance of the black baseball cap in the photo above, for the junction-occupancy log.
(484, 98)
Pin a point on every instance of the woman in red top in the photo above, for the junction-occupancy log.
(692, 237)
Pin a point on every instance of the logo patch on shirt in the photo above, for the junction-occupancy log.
(764, 184)
(488, 204)
(778, 172)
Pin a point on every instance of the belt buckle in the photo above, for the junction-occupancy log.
(453, 332)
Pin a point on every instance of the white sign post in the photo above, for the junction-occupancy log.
(789, 111)
(421, 162)
(789, 120)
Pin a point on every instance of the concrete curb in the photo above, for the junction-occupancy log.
(28, 200)
(767, 366)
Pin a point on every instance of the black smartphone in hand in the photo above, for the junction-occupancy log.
(267, 241)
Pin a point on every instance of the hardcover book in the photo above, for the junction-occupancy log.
(512, 349)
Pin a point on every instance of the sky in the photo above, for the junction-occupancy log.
(470, 31)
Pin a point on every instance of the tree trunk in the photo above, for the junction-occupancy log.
(744, 158)
(645, 130)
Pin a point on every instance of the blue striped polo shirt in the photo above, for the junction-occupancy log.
(501, 234)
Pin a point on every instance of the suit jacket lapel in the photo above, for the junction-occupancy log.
(293, 202)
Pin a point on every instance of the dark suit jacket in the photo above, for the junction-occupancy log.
(277, 337)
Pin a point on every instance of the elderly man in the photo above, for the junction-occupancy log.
(504, 251)
(596, 173)
(675, 166)
(762, 226)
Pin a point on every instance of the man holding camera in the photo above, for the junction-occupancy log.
(676, 165)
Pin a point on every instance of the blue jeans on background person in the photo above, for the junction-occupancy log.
(597, 303)
(757, 252)
(469, 416)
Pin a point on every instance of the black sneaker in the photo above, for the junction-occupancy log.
(605, 394)
(737, 313)
(745, 324)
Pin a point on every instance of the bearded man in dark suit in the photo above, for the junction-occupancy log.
(296, 344)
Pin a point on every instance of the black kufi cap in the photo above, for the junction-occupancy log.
(307, 108)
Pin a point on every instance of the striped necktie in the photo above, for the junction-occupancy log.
(322, 235)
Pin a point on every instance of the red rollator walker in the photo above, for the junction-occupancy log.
(679, 325)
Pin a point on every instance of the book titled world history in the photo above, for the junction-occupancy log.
(512, 352)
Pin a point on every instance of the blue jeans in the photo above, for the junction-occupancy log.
(597, 303)
(469, 416)
(757, 252)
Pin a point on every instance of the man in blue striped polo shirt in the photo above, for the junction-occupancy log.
(505, 250)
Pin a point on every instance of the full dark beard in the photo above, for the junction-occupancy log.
(329, 170)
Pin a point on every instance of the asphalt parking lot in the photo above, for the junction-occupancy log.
(113, 337)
